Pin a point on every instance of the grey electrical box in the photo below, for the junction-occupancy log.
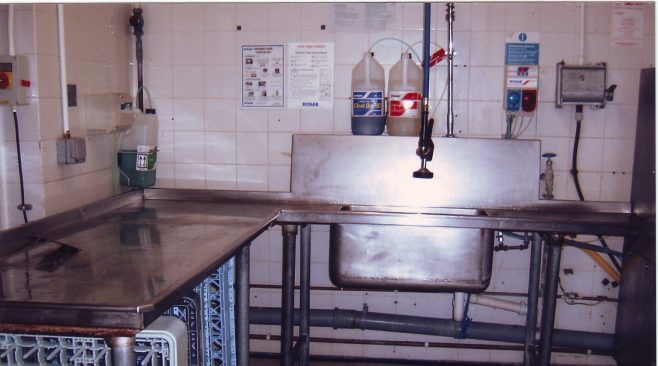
(14, 80)
(581, 84)
(72, 150)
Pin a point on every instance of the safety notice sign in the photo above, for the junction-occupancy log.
(263, 76)
(310, 75)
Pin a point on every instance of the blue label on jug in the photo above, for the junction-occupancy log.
(367, 103)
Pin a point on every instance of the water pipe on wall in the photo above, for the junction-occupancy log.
(10, 30)
(62, 70)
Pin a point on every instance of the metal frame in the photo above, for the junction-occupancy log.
(27, 316)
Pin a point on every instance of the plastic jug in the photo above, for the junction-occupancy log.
(368, 116)
(405, 84)
(139, 151)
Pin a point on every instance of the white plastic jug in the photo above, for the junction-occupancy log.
(368, 84)
(405, 84)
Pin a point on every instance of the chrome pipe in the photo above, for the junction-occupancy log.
(123, 350)
(450, 18)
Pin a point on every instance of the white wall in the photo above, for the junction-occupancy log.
(98, 62)
(192, 69)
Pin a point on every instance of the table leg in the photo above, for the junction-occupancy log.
(304, 294)
(242, 311)
(123, 350)
(533, 300)
(550, 298)
(288, 293)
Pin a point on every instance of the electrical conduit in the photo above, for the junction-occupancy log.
(62, 70)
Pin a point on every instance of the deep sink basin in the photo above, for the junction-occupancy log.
(413, 258)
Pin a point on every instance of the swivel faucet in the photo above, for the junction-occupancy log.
(425, 148)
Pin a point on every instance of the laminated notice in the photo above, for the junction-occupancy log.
(403, 104)
(367, 103)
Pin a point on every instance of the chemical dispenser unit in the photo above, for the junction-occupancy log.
(521, 80)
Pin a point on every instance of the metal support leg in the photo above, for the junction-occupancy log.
(123, 350)
(242, 310)
(550, 298)
(533, 299)
(288, 293)
(304, 294)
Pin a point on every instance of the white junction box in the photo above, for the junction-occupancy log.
(14, 80)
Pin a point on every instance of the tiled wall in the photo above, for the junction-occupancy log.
(98, 63)
(192, 69)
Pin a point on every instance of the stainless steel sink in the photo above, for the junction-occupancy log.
(414, 258)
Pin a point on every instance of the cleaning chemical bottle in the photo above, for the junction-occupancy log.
(405, 83)
(139, 149)
(368, 117)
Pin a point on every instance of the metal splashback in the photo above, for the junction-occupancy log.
(377, 170)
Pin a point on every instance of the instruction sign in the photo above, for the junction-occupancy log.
(310, 75)
(522, 49)
(627, 24)
(263, 76)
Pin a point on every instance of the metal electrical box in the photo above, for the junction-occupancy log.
(14, 80)
(581, 84)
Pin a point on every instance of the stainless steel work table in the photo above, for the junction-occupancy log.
(110, 268)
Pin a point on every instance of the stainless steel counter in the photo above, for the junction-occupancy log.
(120, 262)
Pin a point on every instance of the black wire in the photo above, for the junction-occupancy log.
(22, 207)
(574, 174)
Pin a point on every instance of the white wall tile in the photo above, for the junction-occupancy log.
(252, 148)
(280, 148)
(220, 114)
(523, 17)
(190, 176)
(158, 48)
(159, 81)
(485, 119)
(487, 16)
(317, 121)
(617, 157)
(251, 120)
(342, 113)
(220, 148)
(252, 17)
(219, 17)
(598, 16)
(252, 178)
(188, 148)
(590, 154)
(166, 147)
(480, 81)
(279, 178)
(487, 48)
(221, 177)
(188, 81)
(284, 17)
(219, 48)
(284, 120)
(315, 15)
(187, 17)
(221, 81)
(349, 47)
(188, 114)
(628, 85)
(559, 17)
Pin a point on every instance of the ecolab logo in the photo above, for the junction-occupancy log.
(310, 104)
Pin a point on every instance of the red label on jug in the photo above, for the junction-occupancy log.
(403, 104)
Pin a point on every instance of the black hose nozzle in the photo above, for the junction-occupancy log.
(137, 22)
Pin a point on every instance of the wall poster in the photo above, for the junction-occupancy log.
(263, 82)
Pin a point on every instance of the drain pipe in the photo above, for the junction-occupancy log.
(353, 319)
(515, 307)
(458, 306)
